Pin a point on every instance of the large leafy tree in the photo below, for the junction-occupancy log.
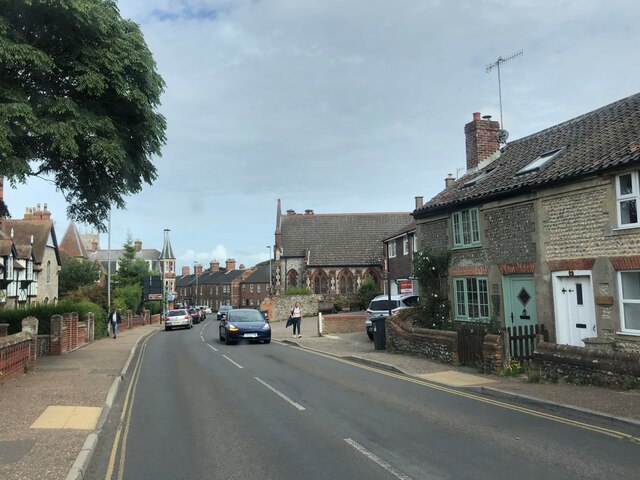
(79, 93)
(77, 273)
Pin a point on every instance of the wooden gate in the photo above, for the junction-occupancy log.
(522, 340)
(470, 339)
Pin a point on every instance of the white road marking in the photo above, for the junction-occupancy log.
(377, 459)
(237, 365)
(212, 347)
(280, 394)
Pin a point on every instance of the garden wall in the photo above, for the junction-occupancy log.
(345, 323)
(588, 365)
(439, 345)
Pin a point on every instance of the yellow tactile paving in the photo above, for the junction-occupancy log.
(68, 417)
(456, 379)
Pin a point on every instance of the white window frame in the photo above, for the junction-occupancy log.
(391, 248)
(405, 245)
(251, 288)
(415, 242)
(634, 195)
(460, 233)
(258, 289)
(461, 298)
(624, 301)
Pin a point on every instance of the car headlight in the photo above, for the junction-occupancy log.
(266, 327)
(233, 328)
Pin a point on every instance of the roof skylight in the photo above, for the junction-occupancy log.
(540, 161)
(480, 177)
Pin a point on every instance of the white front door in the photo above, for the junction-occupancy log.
(574, 307)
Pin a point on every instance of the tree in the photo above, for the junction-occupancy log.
(79, 94)
(77, 273)
(368, 289)
(131, 270)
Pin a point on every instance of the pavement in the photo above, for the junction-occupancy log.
(50, 419)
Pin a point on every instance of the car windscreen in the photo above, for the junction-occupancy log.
(177, 313)
(376, 305)
(411, 301)
(225, 308)
(245, 316)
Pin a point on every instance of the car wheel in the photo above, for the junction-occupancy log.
(267, 340)
(370, 335)
(226, 340)
(166, 329)
(220, 335)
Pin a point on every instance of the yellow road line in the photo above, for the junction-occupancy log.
(479, 398)
(125, 418)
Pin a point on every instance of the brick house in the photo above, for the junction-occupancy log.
(331, 253)
(545, 229)
(255, 288)
(35, 264)
(212, 287)
(150, 255)
(399, 250)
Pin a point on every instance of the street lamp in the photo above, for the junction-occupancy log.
(195, 272)
(269, 247)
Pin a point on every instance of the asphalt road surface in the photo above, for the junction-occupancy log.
(194, 408)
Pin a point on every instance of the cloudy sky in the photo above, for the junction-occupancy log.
(344, 106)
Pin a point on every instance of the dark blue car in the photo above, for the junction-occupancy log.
(244, 324)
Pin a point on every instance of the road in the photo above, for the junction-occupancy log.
(194, 408)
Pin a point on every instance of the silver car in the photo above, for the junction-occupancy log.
(177, 318)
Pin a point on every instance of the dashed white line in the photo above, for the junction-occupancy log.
(372, 456)
(280, 394)
(212, 347)
(237, 365)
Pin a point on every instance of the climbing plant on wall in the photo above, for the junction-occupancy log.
(430, 269)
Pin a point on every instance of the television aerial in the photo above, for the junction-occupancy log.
(503, 134)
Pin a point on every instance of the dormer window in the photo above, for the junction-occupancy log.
(540, 161)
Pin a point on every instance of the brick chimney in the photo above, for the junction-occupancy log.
(198, 269)
(419, 202)
(186, 270)
(231, 264)
(481, 140)
(291, 212)
(138, 244)
(308, 211)
(214, 265)
(241, 267)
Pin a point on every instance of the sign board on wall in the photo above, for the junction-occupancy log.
(405, 286)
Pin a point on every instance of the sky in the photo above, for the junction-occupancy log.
(343, 106)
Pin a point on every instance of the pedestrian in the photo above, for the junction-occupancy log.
(296, 319)
(114, 320)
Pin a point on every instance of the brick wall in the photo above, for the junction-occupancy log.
(421, 342)
(343, 324)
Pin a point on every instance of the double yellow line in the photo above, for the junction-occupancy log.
(125, 420)
(478, 398)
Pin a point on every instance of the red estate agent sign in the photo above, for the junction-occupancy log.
(405, 286)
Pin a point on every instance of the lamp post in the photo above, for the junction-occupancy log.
(269, 247)
(195, 271)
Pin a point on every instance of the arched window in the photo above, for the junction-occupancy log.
(46, 300)
(292, 280)
(346, 282)
(319, 282)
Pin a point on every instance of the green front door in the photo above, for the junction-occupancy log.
(519, 301)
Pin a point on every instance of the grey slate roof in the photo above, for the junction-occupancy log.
(605, 139)
(339, 239)
(167, 251)
(261, 275)
(411, 227)
(219, 278)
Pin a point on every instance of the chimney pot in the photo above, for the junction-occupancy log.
(186, 270)
(476, 116)
(291, 212)
(449, 181)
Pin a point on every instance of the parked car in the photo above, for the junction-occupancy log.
(244, 324)
(202, 310)
(195, 315)
(177, 318)
(207, 310)
(379, 307)
(222, 311)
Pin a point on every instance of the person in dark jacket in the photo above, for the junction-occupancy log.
(114, 320)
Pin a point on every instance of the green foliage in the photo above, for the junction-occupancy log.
(95, 293)
(511, 369)
(77, 273)
(339, 303)
(154, 306)
(131, 270)
(128, 297)
(79, 101)
(430, 270)
(44, 313)
(367, 291)
(297, 291)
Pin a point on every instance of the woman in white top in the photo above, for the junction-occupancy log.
(296, 317)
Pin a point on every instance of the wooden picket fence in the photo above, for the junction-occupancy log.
(522, 340)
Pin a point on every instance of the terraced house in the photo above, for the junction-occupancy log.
(545, 229)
